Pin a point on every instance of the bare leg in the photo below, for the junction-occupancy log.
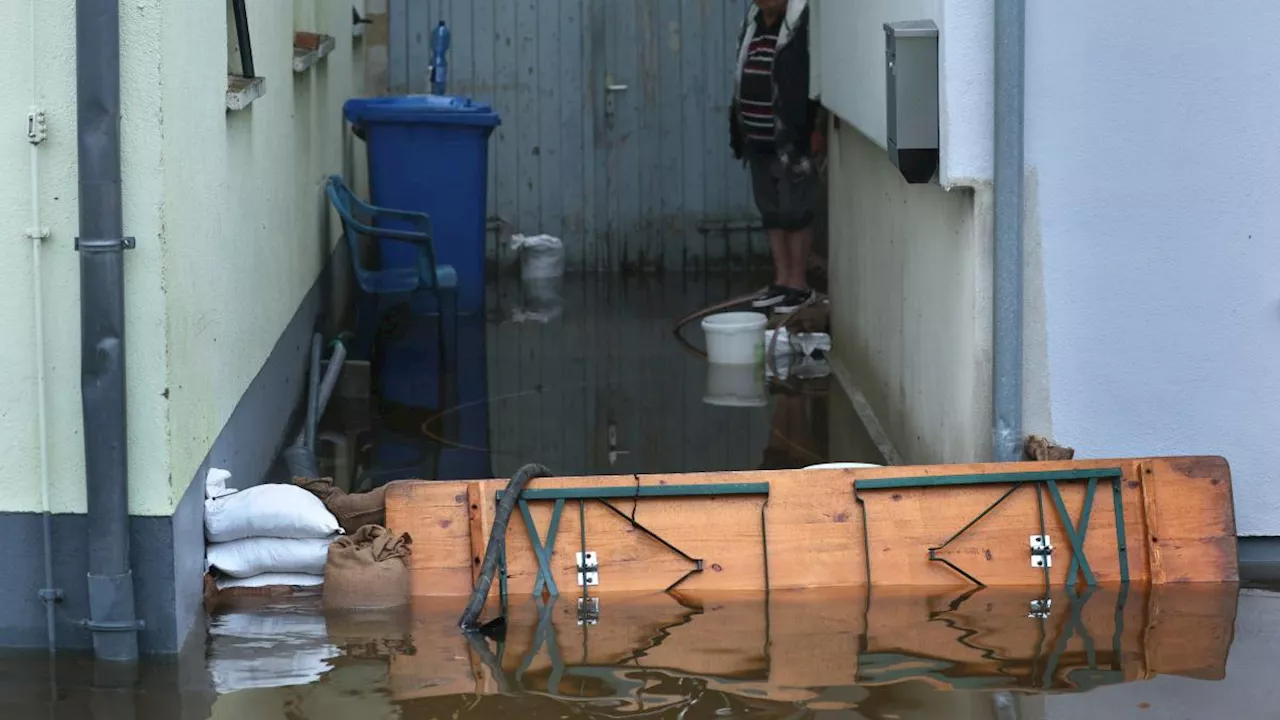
(780, 249)
(798, 246)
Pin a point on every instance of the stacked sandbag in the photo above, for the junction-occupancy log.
(266, 536)
(368, 569)
(353, 510)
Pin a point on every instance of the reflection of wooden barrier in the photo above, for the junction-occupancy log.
(799, 643)
(1163, 520)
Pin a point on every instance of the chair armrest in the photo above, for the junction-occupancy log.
(412, 236)
(420, 220)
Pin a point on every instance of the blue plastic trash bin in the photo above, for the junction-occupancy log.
(430, 153)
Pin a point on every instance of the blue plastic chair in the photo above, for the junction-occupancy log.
(360, 219)
(382, 289)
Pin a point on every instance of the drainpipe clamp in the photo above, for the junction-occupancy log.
(123, 626)
(105, 244)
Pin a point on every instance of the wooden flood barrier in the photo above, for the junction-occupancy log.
(1080, 522)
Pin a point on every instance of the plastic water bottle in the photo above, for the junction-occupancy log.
(440, 59)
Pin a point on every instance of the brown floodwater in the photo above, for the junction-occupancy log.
(1171, 652)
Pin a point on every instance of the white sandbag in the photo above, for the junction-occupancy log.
(272, 510)
(541, 256)
(271, 580)
(258, 555)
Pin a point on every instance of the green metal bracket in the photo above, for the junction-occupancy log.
(1046, 479)
(543, 550)
(644, 491)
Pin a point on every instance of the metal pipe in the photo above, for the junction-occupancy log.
(242, 38)
(37, 234)
(101, 245)
(313, 393)
(1010, 85)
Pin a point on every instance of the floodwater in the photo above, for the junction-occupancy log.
(595, 383)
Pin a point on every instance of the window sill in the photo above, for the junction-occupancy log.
(310, 48)
(242, 91)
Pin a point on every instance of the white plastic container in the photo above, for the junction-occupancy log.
(735, 338)
(736, 386)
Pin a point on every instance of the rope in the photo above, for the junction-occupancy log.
(497, 545)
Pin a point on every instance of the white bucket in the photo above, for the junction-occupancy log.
(735, 386)
(842, 466)
(735, 338)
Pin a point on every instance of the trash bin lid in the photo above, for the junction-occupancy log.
(425, 109)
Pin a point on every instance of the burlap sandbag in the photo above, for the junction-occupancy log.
(368, 569)
(353, 511)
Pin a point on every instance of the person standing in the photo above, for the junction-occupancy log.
(774, 127)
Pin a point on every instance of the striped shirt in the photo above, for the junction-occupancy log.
(755, 93)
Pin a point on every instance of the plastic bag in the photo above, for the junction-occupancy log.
(368, 569)
(272, 510)
(258, 555)
(541, 256)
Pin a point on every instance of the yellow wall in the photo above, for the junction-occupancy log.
(244, 209)
(227, 209)
(52, 59)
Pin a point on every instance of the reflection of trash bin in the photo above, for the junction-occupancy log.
(430, 154)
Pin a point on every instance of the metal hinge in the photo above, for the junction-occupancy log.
(1041, 551)
(588, 611)
(588, 569)
(37, 128)
(1040, 609)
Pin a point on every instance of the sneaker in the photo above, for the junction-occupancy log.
(794, 300)
(770, 297)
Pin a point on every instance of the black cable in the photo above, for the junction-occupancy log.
(497, 543)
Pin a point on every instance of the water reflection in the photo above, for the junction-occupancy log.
(893, 654)
(601, 388)
(798, 647)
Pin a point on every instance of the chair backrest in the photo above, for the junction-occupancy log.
(341, 197)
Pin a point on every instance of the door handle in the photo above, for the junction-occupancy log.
(611, 88)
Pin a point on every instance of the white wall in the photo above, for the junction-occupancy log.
(1152, 130)
(851, 52)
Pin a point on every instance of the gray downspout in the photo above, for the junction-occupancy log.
(1010, 84)
(101, 244)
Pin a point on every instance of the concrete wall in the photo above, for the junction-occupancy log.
(910, 264)
(1151, 143)
(911, 301)
(234, 268)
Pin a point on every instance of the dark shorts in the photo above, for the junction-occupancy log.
(785, 197)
